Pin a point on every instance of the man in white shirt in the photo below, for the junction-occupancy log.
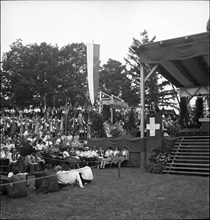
(65, 177)
(86, 174)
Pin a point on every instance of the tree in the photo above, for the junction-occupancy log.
(207, 25)
(199, 107)
(73, 68)
(184, 116)
(114, 80)
(131, 124)
(155, 86)
(97, 124)
(35, 74)
(29, 72)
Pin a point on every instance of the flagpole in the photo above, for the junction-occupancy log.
(142, 100)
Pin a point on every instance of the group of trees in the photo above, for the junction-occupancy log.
(44, 74)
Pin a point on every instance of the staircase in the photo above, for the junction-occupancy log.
(190, 156)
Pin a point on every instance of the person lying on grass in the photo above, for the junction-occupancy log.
(46, 181)
(66, 177)
(86, 174)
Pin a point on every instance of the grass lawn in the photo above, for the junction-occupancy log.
(136, 195)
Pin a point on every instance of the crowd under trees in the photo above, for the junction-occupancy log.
(44, 74)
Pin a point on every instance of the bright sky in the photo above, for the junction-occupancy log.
(112, 24)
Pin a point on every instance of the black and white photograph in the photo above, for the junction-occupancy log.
(105, 109)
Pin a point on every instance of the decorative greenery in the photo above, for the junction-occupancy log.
(184, 117)
(160, 156)
(198, 110)
(96, 124)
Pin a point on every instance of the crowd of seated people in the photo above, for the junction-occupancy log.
(33, 152)
(31, 141)
(115, 156)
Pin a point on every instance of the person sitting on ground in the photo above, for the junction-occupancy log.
(65, 177)
(46, 181)
(86, 174)
(17, 188)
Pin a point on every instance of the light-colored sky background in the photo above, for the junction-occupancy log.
(112, 24)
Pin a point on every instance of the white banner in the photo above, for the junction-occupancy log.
(93, 51)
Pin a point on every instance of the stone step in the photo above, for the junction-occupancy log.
(191, 156)
(191, 148)
(185, 172)
(191, 160)
(194, 137)
(188, 168)
(189, 153)
(187, 164)
(192, 144)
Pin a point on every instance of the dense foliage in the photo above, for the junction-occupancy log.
(46, 75)
(198, 110)
(160, 156)
(155, 87)
(43, 74)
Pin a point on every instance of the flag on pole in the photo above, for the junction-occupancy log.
(93, 51)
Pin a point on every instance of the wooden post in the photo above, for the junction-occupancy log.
(142, 100)
(111, 109)
(119, 166)
(66, 113)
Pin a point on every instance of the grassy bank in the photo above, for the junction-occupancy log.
(136, 195)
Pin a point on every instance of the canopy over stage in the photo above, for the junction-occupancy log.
(183, 61)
